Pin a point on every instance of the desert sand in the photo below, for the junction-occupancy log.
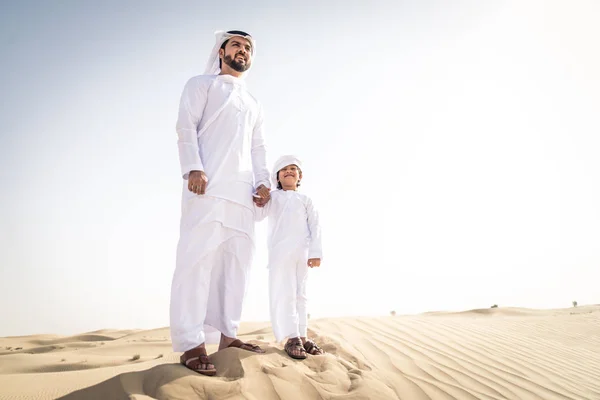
(500, 353)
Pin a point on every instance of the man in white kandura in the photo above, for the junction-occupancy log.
(223, 159)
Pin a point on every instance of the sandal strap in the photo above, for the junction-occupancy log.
(309, 345)
(202, 359)
(197, 353)
(293, 347)
(241, 345)
(252, 346)
(293, 342)
(236, 343)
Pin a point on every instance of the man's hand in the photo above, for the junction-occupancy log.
(263, 192)
(314, 262)
(197, 182)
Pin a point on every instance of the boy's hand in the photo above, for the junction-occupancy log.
(314, 262)
(197, 181)
(260, 202)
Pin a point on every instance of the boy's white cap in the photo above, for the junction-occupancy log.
(283, 162)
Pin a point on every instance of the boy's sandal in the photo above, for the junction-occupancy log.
(293, 347)
(198, 354)
(312, 348)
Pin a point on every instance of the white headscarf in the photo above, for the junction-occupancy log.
(212, 66)
(283, 162)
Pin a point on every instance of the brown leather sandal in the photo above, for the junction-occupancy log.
(246, 346)
(197, 354)
(312, 348)
(295, 344)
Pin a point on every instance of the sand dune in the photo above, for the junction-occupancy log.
(501, 353)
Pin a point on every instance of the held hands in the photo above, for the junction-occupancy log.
(264, 195)
(197, 181)
(263, 192)
(314, 262)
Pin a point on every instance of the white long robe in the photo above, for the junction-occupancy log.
(220, 132)
(294, 237)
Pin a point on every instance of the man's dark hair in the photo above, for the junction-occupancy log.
(240, 33)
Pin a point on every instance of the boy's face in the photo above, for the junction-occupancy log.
(289, 177)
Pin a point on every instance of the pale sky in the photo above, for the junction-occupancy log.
(453, 149)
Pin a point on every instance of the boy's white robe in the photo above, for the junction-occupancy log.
(294, 237)
(220, 132)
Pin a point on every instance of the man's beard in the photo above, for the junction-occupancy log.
(236, 66)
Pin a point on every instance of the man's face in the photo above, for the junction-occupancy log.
(237, 54)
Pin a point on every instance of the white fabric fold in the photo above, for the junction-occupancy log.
(214, 255)
(222, 135)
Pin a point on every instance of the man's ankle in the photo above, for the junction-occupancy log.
(226, 339)
(200, 346)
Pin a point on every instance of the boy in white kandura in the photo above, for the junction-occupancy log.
(294, 245)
